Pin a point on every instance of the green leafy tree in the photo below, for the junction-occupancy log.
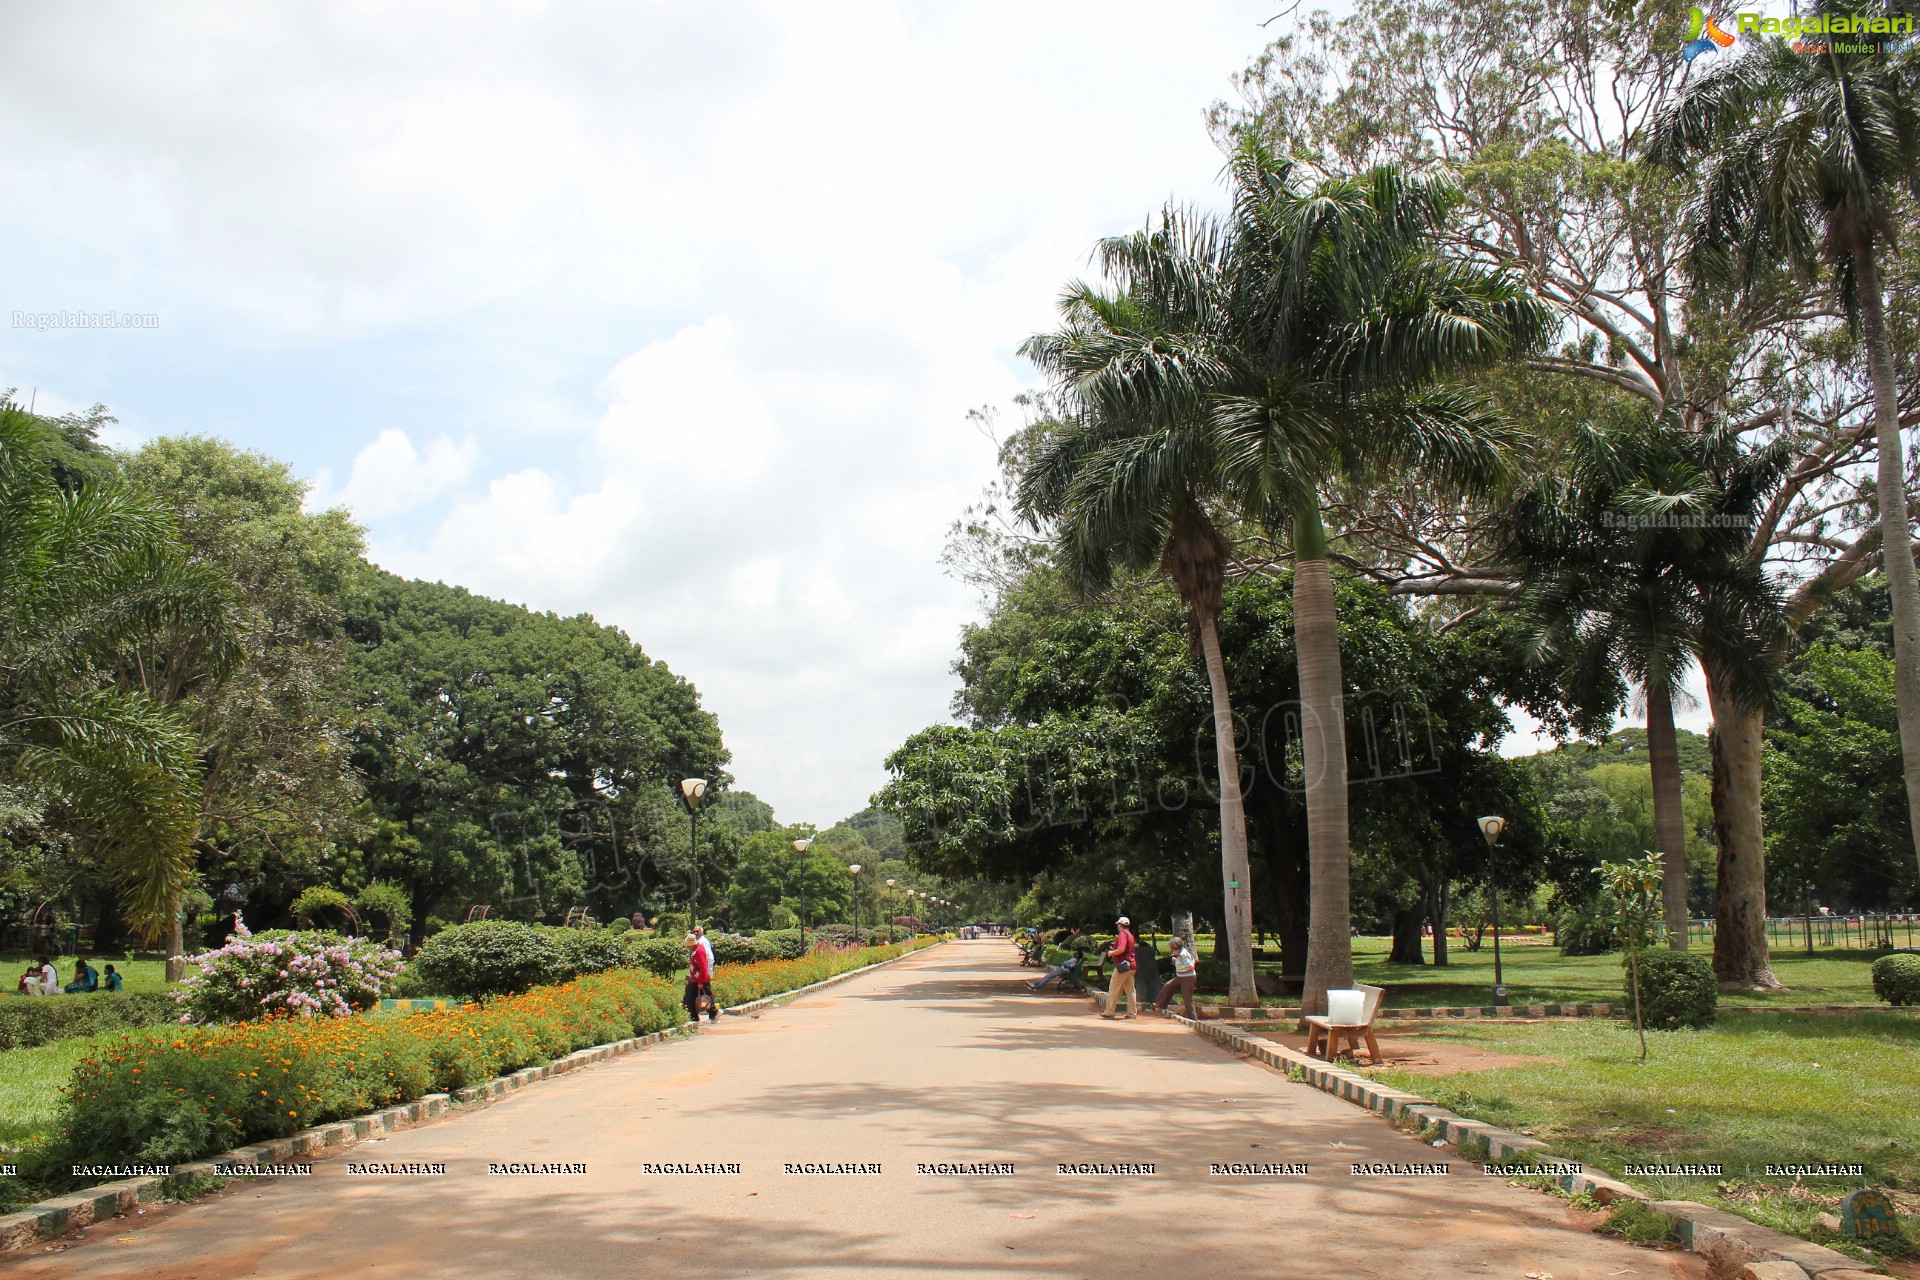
(84, 572)
(1810, 163)
(1546, 126)
(277, 790)
(1837, 820)
(524, 760)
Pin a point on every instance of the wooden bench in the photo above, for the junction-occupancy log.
(1324, 1035)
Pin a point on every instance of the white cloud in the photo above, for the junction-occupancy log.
(390, 476)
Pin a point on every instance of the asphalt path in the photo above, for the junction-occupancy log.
(941, 1059)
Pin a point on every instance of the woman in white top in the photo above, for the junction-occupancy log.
(49, 980)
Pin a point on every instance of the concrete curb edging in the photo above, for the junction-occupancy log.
(1731, 1243)
(52, 1218)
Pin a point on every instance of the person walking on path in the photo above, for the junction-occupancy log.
(700, 981)
(700, 935)
(1122, 953)
(1186, 972)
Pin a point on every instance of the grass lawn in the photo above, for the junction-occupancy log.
(1754, 1090)
(139, 975)
(1537, 973)
(30, 1084)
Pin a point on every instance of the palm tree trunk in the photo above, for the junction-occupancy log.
(1896, 547)
(1323, 741)
(1740, 958)
(1669, 826)
(1234, 873)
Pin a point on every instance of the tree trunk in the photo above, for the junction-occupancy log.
(1740, 958)
(176, 942)
(1438, 919)
(1669, 824)
(1323, 733)
(1896, 547)
(1235, 876)
(1406, 936)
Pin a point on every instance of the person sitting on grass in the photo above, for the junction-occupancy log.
(112, 980)
(29, 984)
(84, 978)
(49, 980)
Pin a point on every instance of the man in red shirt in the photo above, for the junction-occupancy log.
(700, 981)
(1123, 953)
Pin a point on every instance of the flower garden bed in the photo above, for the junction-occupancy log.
(175, 1096)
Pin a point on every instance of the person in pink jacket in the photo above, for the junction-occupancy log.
(700, 981)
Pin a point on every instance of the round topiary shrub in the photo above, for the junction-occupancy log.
(288, 974)
(620, 924)
(385, 909)
(488, 958)
(1677, 989)
(584, 951)
(1896, 978)
(319, 906)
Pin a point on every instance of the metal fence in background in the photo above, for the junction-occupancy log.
(1872, 932)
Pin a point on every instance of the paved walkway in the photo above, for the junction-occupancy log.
(940, 1058)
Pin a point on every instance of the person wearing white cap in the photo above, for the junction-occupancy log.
(1122, 953)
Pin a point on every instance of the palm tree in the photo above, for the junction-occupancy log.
(1805, 159)
(1633, 557)
(1247, 368)
(1132, 476)
(81, 572)
(1350, 327)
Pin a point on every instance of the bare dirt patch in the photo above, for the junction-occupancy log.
(1421, 1055)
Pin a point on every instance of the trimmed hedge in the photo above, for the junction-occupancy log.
(666, 957)
(1896, 978)
(585, 951)
(487, 958)
(1677, 989)
(28, 1024)
(787, 943)
(175, 1096)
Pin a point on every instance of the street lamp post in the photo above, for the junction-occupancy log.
(854, 871)
(892, 911)
(800, 847)
(1491, 827)
(691, 789)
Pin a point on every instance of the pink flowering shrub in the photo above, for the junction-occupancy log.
(305, 974)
